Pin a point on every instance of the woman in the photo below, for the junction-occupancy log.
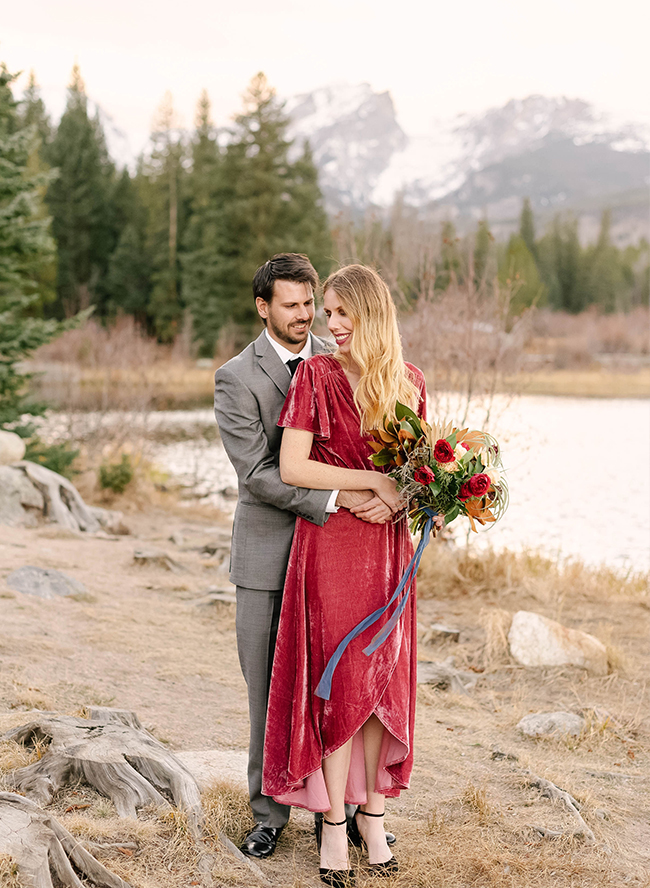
(356, 746)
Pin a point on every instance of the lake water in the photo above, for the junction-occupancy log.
(578, 469)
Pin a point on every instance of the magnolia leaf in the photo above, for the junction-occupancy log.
(402, 411)
(377, 446)
(452, 439)
(385, 436)
(434, 487)
(382, 459)
(452, 514)
(400, 459)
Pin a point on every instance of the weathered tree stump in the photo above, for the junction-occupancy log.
(113, 753)
(41, 847)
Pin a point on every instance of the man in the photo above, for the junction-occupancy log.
(249, 394)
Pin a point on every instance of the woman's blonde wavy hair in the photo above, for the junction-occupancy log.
(375, 346)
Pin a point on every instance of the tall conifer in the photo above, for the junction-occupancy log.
(25, 243)
(164, 199)
(79, 200)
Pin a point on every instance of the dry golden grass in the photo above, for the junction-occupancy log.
(448, 572)
(591, 383)
(8, 872)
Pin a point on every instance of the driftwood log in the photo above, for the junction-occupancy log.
(113, 753)
(41, 848)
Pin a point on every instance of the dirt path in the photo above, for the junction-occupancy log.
(138, 639)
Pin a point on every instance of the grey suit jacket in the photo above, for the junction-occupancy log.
(249, 394)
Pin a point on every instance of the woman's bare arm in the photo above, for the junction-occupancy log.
(298, 469)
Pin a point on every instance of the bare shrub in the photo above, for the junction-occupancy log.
(573, 341)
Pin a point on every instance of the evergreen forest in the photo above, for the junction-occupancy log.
(174, 241)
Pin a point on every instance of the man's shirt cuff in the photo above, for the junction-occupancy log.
(331, 502)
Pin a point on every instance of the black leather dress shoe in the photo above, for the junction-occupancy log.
(261, 841)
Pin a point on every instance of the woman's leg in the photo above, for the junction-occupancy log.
(372, 828)
(334, 841)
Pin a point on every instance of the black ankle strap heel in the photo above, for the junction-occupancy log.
(388, 867)
(337, 878)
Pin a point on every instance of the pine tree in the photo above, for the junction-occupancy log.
(164, 200)
(607, 283)
(264, 204)
(518, 271)
(128, 282)
(79, 200)
(25, 242)
(449, 264)
(562, 266)
(484, 261)
(33, 114)
(527, 227)
(308, 222)
(204, 234)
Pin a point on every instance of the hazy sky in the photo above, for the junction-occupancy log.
(436, 58)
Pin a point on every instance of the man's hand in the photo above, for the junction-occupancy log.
(365, 505)
(374, 511)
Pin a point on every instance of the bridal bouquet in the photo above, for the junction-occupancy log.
(441, 469)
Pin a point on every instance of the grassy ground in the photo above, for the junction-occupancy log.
(140, 639)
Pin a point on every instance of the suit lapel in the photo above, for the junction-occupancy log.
(273, 366)
(271, 363)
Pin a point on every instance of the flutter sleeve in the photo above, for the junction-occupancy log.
(417, 377)
(306, 406)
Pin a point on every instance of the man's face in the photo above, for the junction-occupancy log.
(289, 314)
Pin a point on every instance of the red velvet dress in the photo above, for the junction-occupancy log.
(337, 575)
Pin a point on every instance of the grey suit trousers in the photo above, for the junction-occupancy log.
(258, 614)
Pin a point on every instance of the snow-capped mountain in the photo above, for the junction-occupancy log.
(353, 133)
(559, 152)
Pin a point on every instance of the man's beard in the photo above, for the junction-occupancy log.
(284, 333)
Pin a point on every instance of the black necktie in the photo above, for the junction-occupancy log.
(293, 364)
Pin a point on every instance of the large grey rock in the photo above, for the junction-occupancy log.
(43, 582)
(21, 503)
(208, 766)
(537, 641)
(551, 724)
(12, 448)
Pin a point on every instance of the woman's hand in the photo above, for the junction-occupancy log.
(386, 489)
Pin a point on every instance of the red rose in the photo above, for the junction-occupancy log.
(463, 444)
(479, 484)
(443, 452)
(424, 475)
(464, 493)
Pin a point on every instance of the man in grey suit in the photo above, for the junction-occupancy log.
(249, 394)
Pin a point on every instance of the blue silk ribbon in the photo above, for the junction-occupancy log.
(403, 589)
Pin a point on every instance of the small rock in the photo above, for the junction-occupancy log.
(438, 630)
(44, 582)
(551, 724)
(445, 676)
(12, 448)
(213, 597)
(498, 756)
(154, 558)
(110, 520)
(537, 641)
(21, 503)
(177, 539)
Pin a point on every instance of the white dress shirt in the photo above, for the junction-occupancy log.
(285, 355)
